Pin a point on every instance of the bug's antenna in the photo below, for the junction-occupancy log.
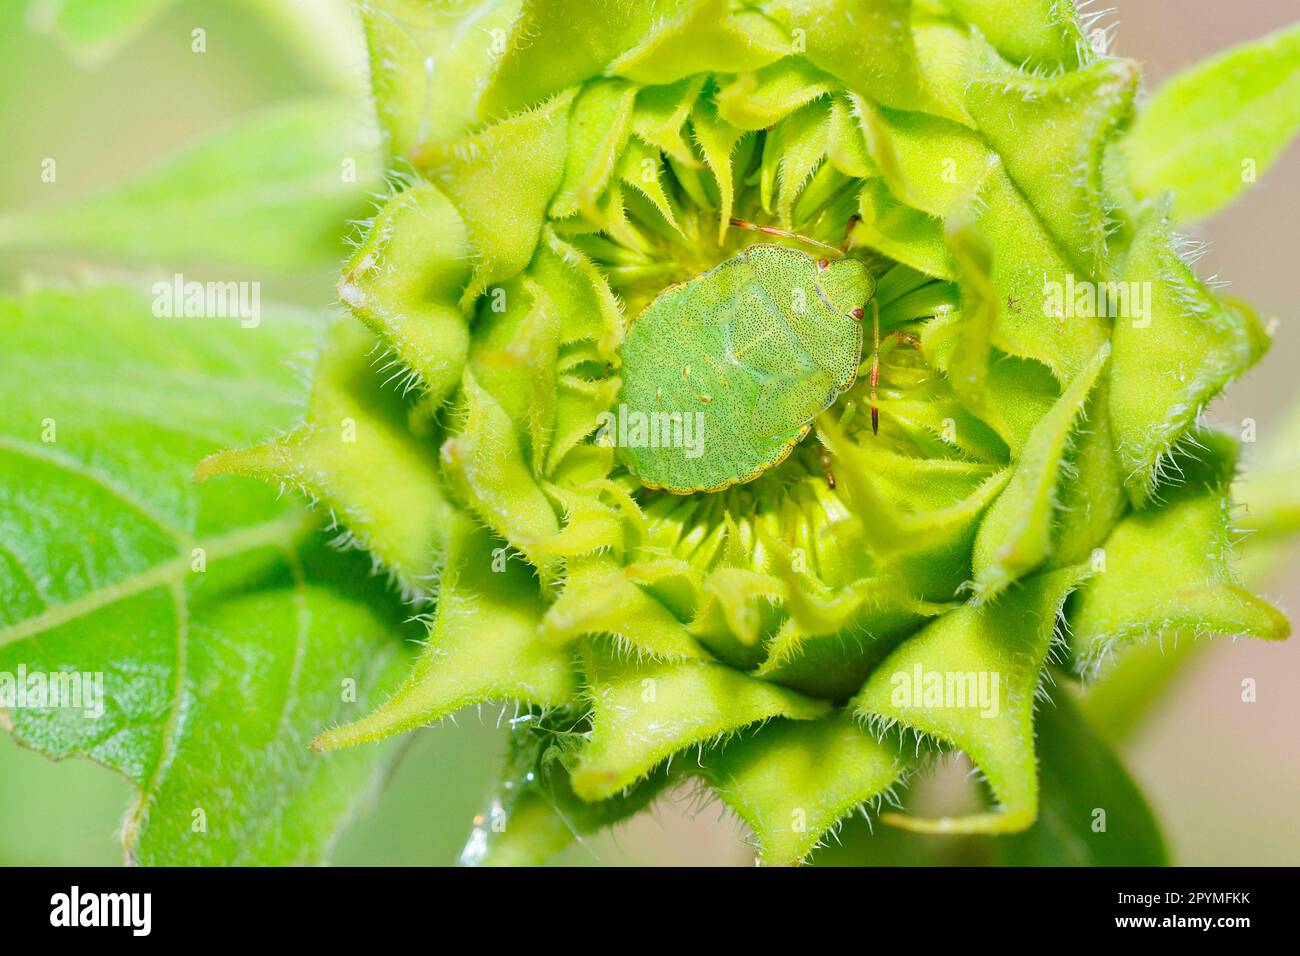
(875, 364)
(771, 231)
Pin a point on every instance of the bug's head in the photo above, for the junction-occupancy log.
(846, 283)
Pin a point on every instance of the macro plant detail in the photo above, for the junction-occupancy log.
(767, 398)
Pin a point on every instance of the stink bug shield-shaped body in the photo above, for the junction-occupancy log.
(741, 359)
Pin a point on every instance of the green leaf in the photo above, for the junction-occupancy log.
(969, 363)
(501, 180)
(1090, 813)
(1051, 134)
(599, 127)
(271, 193)
(600, 597)
(801, 143)
(832, 661)
(758, 100)
(1145, 673)
(405, 281)
(1212, 130)
(1034, 33)
(354, 430)
(427, 64)
(867, 44)
(924, 512)
(646, 711)
(1090, 497)
(1187, 536)
(661, 113)
(717, 141)
(484, 591)
(554, 44)
(485, 466)
(931, 683)
(1171, 356)
(225, 639)
(900, 232)
(1016, 535)
(929, 162)
(1026, 257)
(792, 781)
(1040, 209)
(706, 36)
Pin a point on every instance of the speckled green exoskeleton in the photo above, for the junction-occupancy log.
(724, 373)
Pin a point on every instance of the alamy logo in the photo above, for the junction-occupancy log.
(208, 300)
(61, 689)
(948, 689)
(625, 428)
(1087, 300)
(133, 910)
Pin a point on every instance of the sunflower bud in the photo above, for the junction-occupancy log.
(1015, 486)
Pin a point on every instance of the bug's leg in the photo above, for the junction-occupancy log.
(877, 349)
(824, 454)
(875, 364)
(898, 338)
(847, 244)
(772, 231)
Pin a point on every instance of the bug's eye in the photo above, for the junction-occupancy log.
(857, 313)
(823, 265)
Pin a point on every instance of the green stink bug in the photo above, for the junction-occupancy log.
(747, 354)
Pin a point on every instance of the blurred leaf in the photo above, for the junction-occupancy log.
(225, 637)
(533, 812)
(1125, 694)
(93, 30)
(1209, 132)
(861, 842)
(1090, 811)
(420, 817)
(320, 35)
(272, 193)
(1268, 488)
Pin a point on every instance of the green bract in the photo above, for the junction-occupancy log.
(1040, 492)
